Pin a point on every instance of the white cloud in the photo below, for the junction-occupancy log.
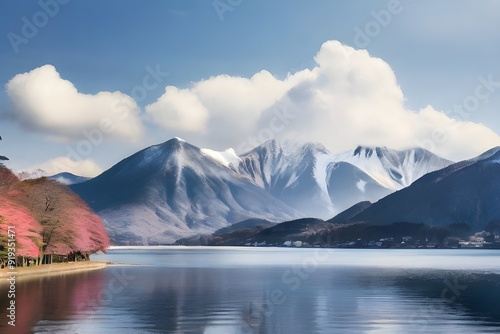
(178, 109)
(57, 165)
(223, 107)
(45, 102)
(349, 98)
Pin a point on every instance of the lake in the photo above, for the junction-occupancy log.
(266, 290)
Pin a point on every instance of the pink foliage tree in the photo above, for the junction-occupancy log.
(68, 224)
(49, 218)
(92, 236)
(26, 228)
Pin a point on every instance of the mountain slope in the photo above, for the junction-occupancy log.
(307, 178)
(350, 212)
(64, 177)
(68, 178)
(347, 184)
(246, 224)
(29, 175)
(289, 174)
(393, 169)
(173, 190)
(320, 184)
(465, 192)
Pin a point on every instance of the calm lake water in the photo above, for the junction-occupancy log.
(267, 290)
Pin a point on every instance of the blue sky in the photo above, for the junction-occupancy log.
(437, 52)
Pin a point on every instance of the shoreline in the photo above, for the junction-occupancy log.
(293, 247)
(47, 270)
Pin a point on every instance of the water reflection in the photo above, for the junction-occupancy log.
(218, 298)
(475, 295)
(51, 299)
(256, 300)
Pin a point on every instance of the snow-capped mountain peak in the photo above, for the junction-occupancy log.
(367, 152)
(394, 169)
(31, 174)
(228, 157)
(174, 190)
(307, 176)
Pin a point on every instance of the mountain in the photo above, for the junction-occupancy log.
(64, 177)
(34, 174)
(246, 224)
(174, 190)
(310, 230)
(291, 174)
(299, 228)
(465, 192)
(234, 235)
(320, 184)
(393, 169)
(347, 184)
(68, 178)
(350, 213)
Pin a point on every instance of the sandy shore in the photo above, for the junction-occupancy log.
(50, 270)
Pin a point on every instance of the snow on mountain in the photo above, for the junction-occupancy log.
(263, 163)
(393, 169)
(308, 178)
(320, 184)
(465, 192)
(348, 185)
(64, 178)
(227, 158)
(321, 164)
(32, 174)
(174, 190)
(68, 178)
(361, 185)
(288, 173)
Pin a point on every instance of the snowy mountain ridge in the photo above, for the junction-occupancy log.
(322, 176)
(464, 192)
(174, 190)
(64, 177)
(394, 169)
